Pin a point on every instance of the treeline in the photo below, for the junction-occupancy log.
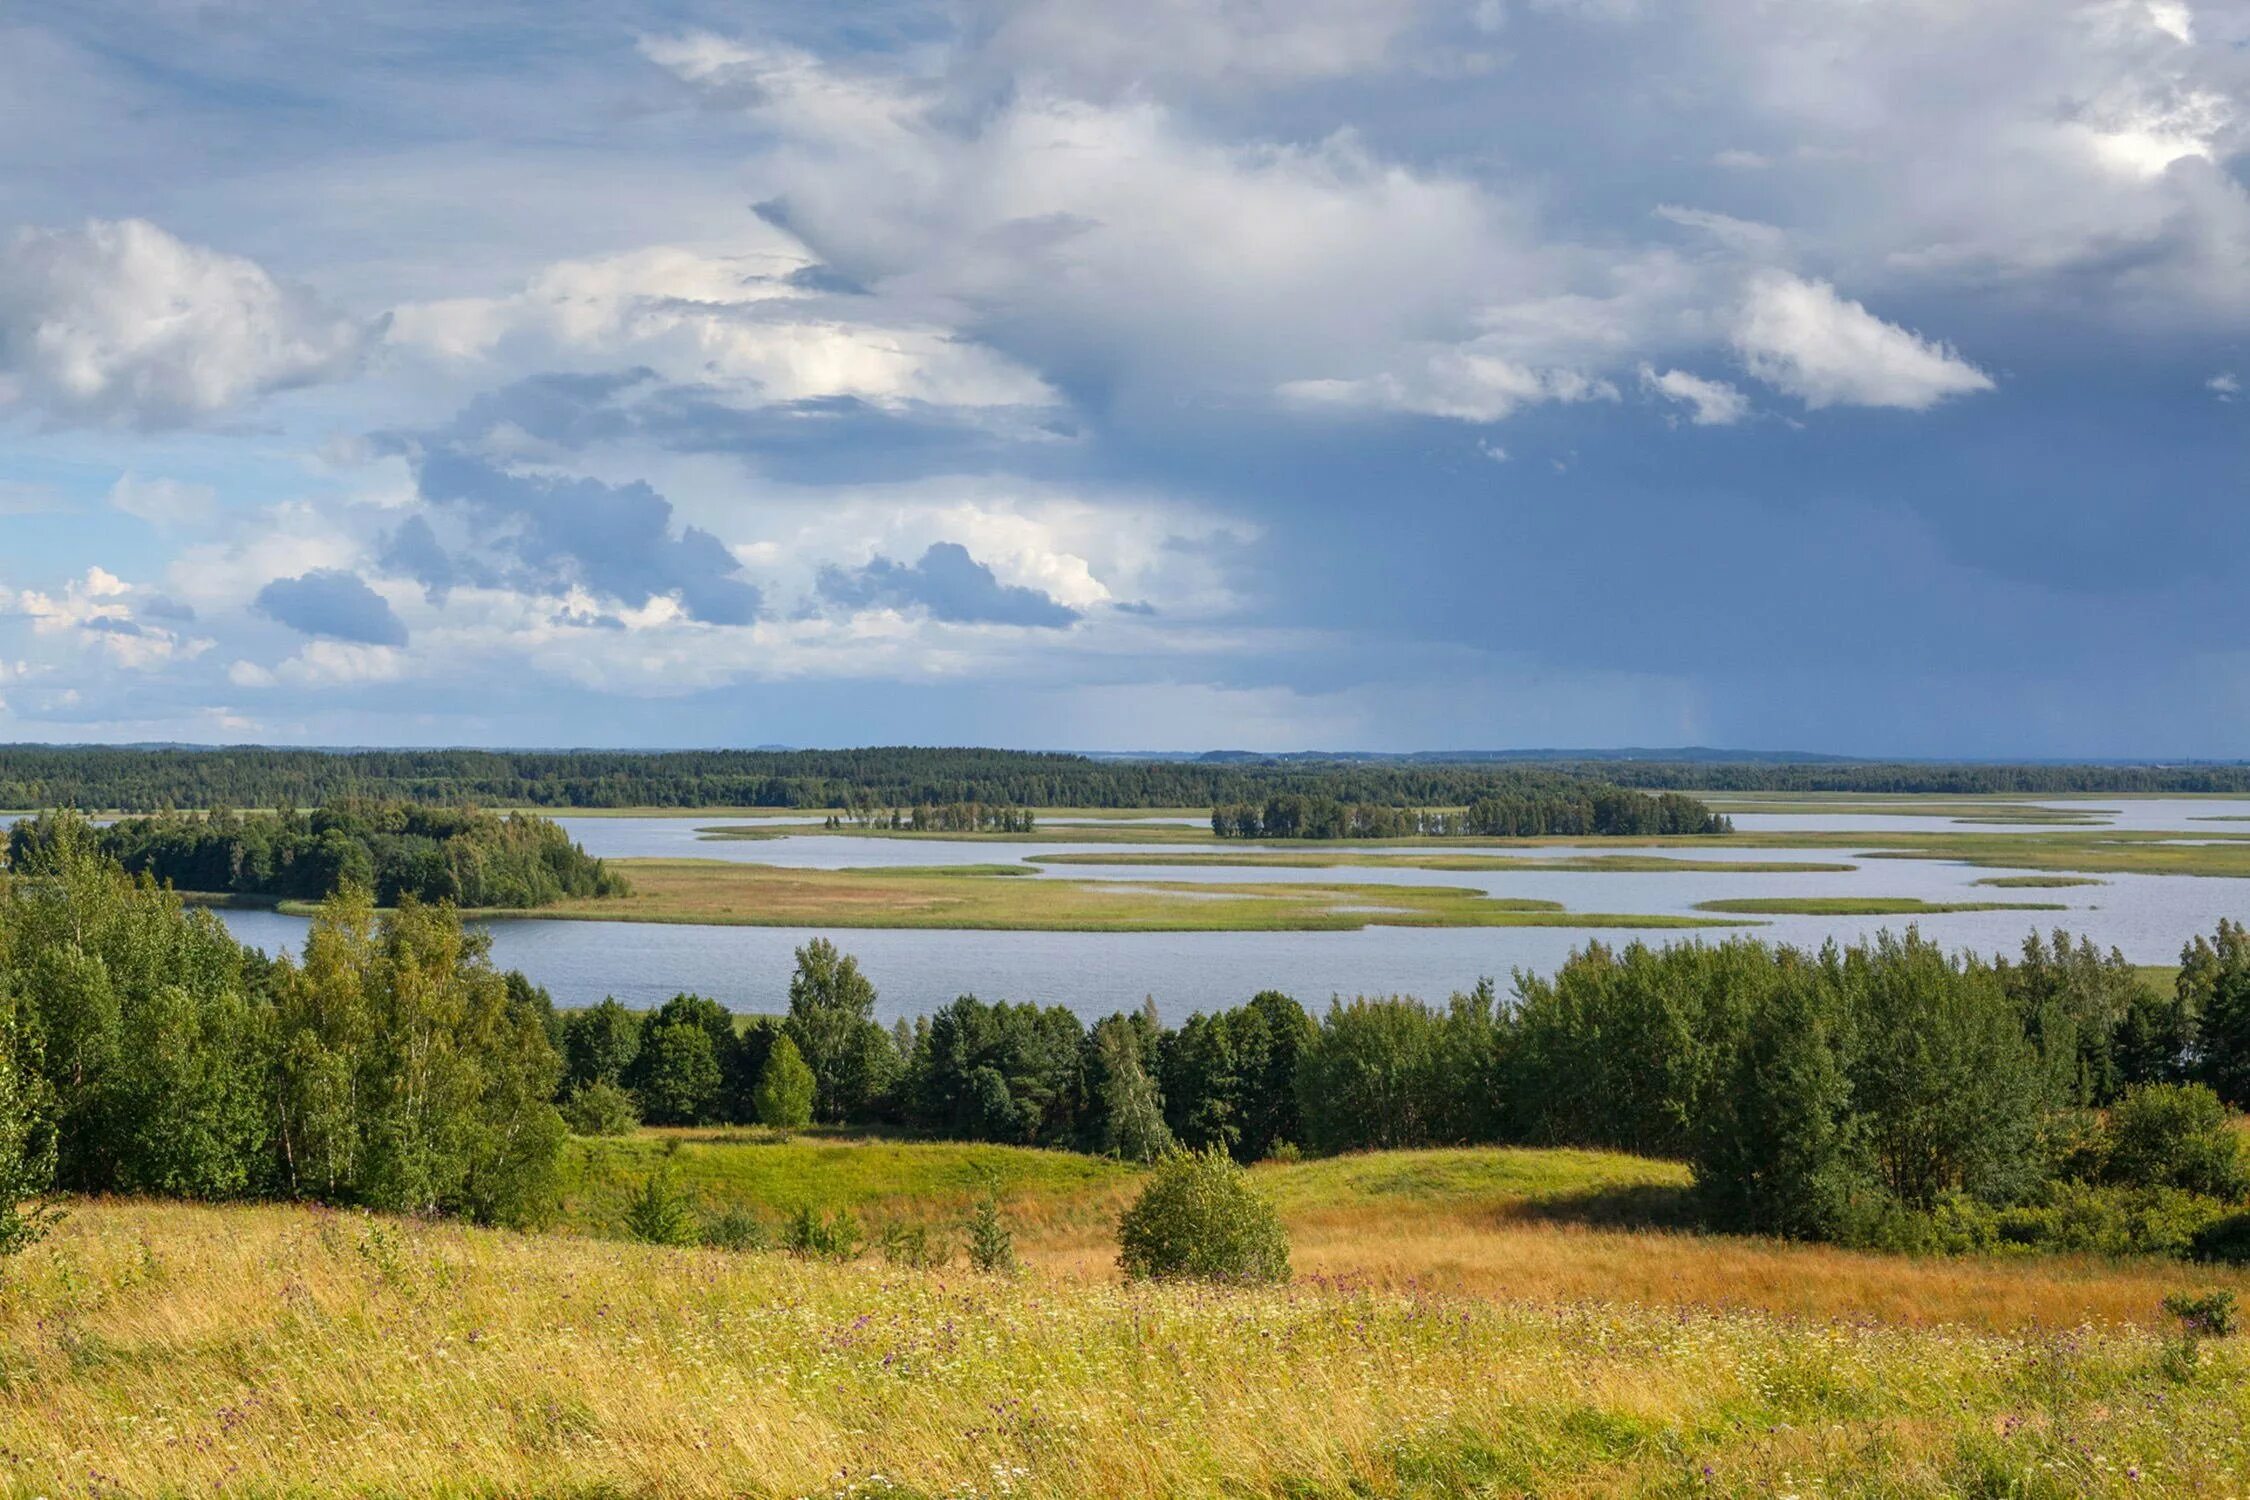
(393, 849)
(1555, 812)
(143, 1050)
(861, 811)
(1885, 1095)
(1910, 776)
(136, 780)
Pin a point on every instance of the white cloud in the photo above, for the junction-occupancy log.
(2225, 385)
(1803, 339)
(1715, 403)
(120, 323)
(163, 502)
(733, 319)
(1465, 383)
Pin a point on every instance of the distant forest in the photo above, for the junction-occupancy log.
(149, 780)
(390, 849)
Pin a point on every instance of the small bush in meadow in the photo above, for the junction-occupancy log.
(600, 1108)
(913, 1246)
(1200, 1218)
(735, 1228)
(659, 1213)
(2205, 1314)
(829, 1236)
(992, 1244)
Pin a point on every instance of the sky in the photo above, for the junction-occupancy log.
(1863, 376)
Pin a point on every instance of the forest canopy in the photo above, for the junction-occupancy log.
(392, 849)
(101, 778)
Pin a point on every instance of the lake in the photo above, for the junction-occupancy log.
(2148, 917)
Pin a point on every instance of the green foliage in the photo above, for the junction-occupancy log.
(834, 1235)
(2214, 987)
(1005, 1073)
(832, 1022)
(390, 1066)
(1395, 1073)
(600, 1044)
(1125, 1114)
(600, 1108)
(2173, 1135)
(660, 1213)
(992, 1244)
(1199, 1218)
(2225, 1241)
(1230, 1079)
(784, 1097)
(2206, 1314)
(736, 1228)
(676, 1076)
(27, 1145)
(1529, 808)
(395, 849)
(913, 1245)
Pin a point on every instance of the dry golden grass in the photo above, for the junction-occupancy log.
(166, 1349)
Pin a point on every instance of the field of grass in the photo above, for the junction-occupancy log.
(1862, 906)
(2085, 851)
(1325, 858)
(2037, 882)
(726, 893)
(1457, 1327)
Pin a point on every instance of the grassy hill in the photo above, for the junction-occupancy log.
(1463, 1322)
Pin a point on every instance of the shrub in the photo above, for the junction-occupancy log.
(992, 1244)
(913, 1246)
(830, 1236)
(735, 1228)
(659, 1212)
(1200, 1218)
(2174, 1135)
(2073, 1216)
(600, 1108)
(2207, 1315)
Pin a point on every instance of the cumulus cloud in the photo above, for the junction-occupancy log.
(2225, 385)
(950, 585)
(1801, 338)
(331, 602)
(748, 323)
(551, 533)
(121, 323)
(1712, 403)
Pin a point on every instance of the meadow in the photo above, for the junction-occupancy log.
(997, 897)
(1461, 1322)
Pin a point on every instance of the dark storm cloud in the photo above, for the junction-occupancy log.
(950, 585)
(614, 539)
(334, 603)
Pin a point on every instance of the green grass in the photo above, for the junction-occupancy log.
(1862, 906)
(914, 1181)
(2038, 882)
(728, 893)
(1346, 858)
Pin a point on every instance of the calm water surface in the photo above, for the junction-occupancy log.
(2147, 916)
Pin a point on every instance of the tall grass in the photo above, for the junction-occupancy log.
(153, 1349)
